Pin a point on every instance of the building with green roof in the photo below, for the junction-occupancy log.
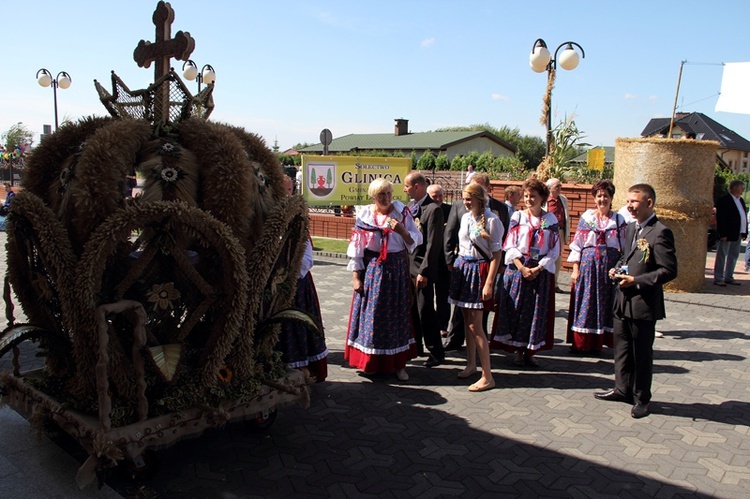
(452, 144)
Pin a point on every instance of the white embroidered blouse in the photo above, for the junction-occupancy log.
(370, 231)
(591, 232)
(530, 234)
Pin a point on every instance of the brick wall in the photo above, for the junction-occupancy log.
(579, 200)
(332, 226)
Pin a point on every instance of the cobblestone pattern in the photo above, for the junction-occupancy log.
(539, 433)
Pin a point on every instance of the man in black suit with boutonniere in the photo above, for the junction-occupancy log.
(647, 263)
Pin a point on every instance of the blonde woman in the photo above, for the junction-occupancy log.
(480, 240)
(380, 336)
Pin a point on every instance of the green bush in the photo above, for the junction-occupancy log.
(458, 164)
(442, 162)
(427, 161)
(484, 161)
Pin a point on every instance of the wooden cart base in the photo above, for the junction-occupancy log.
(107, 449)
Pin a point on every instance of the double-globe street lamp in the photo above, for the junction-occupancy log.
(63, 80)
(541, 60)
(207, 74)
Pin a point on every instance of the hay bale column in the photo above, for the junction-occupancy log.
(682, 173)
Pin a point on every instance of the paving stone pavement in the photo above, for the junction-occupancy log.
(540, 433)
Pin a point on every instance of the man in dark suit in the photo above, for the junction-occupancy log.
(731, 226)
(456, 335)
(648, 262)
(424, 266)
(443, 282)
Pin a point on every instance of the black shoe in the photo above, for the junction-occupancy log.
(640, 411)
(433, 361)
(734, 283)
(614, 396)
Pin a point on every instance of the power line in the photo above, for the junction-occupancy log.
(704, 63)
(699, 100)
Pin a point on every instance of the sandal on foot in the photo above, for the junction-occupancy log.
(476, 387)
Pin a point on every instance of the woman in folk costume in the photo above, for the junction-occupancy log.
(480, 244)
(598, 244)
(300, 346)
(380, 336)
(524, 322)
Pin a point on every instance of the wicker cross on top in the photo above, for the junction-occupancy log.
(164, 48)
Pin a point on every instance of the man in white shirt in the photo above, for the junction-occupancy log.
(731, 226)
(469, 174)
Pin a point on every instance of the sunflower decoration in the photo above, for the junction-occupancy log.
(225, 374)
(163, 295)
(169, 174)
(169, 149)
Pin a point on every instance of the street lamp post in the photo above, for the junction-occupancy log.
(540, 60)
(207, 74)
(63, 80)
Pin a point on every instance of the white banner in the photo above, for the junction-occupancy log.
(735, 89)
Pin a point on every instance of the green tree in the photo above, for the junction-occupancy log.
(530, 149)
(413, 157)
(426, 161)
(484, 161)
(329, 178)
(458, 164)
(471, 159)
(442, 162)
(17, 136)
(507, 164)
(286, 159)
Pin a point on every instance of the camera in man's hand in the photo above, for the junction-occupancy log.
(620, 270)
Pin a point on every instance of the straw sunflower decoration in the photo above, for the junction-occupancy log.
(162, 295)
(643, 246)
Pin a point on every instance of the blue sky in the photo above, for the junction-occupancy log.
(287, 69)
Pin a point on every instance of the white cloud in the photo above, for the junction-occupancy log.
(428, 42)
(504, 98)
(652, 98)
(629, 96)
